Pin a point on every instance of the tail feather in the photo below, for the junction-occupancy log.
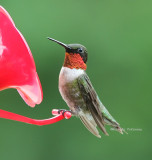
(98, 119)
(108, 119)
(114, 124)
(90, 125)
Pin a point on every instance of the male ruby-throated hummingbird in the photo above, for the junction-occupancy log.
(77, 91)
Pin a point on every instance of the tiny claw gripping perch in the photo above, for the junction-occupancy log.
(59, 115)
(66, 114)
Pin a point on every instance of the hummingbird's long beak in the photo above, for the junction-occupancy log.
(60, 43)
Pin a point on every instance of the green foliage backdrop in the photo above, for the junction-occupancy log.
(118, 35)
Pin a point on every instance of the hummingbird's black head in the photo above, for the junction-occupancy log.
(78, 49)
(74, 49)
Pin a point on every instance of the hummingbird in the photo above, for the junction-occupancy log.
(78, 92)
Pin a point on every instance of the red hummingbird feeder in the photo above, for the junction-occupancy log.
(18, 70)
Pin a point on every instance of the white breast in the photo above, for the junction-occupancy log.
(68, 75)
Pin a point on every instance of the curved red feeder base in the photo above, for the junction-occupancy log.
(20, 118)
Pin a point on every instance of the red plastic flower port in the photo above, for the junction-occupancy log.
(17, 67)
(17, 70)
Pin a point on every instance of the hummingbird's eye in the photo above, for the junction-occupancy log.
(80, 50)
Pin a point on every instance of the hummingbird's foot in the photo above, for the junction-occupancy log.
(65, 113)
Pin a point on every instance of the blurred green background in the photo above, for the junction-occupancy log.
(118, 36)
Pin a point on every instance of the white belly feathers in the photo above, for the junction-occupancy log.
(68, 75)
